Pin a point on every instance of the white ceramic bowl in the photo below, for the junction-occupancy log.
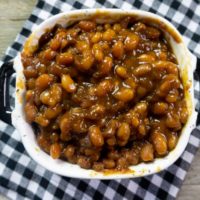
(186, 65)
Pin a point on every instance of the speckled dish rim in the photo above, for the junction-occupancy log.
(187, 63)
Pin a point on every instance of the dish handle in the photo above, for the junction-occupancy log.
(6, 70)
(197, 78)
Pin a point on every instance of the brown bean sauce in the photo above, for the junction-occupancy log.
(105, 96)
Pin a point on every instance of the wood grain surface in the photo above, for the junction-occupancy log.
(13, 14)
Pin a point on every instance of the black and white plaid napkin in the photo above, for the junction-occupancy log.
(23, 178)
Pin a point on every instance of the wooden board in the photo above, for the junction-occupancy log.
(13, 13)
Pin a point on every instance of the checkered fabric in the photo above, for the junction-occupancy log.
(23, 178)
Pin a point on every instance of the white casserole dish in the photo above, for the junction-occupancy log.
(186, 63)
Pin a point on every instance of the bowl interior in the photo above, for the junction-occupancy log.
(100, 16)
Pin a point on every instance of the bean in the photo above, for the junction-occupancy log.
(69, 151)
(55, 151)
(104, 87)
(132, 157)
(106, 65)
(65, 127)
(87, 25)
(96, 136)
(122, 163)
(48, 54)
(164, 88)
(142, 70)
(36, 97)
(111, 128)
(108, 163)
(162, 55)
(142, 130)
(173, 121)
(125, 22)
(105, 46)
(131, 42)
(89, 151)
(121, 71)
(135, 121)
(31, 83)
(51, 113)
(169, 82)
(55, 44)
(98, 166)
(109, 35)
(174, 81)
(41, 69)
(44, 142)
(85, 61)
(82, 45)
(147, 152)
(51, 96)
(168, 66)
(77, 112)
(65, 43)
(147, 83)
(97, 37)
(56, 92)
(146, 58)
(140, 27)
(117, 27)
(55, 69)
(30, 72)
(124, 94)
(62, 34)
(152, 33)
(29, 95)
(141, 108)
(118, 50)
(71, 34)
(95, 156)
(107, 26)
(98, 53)
(68, 83)
(41, 120)
(160, 108)
(172, 96)
(79, 126)
(30, 111)
(123, 133)
(131, 82)
(44, 98)
(84, 162)
(96, 111)
(65, 58)
(43, 81)
(172, 140)
(160, 143)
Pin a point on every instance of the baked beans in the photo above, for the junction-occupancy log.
(104, 96)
